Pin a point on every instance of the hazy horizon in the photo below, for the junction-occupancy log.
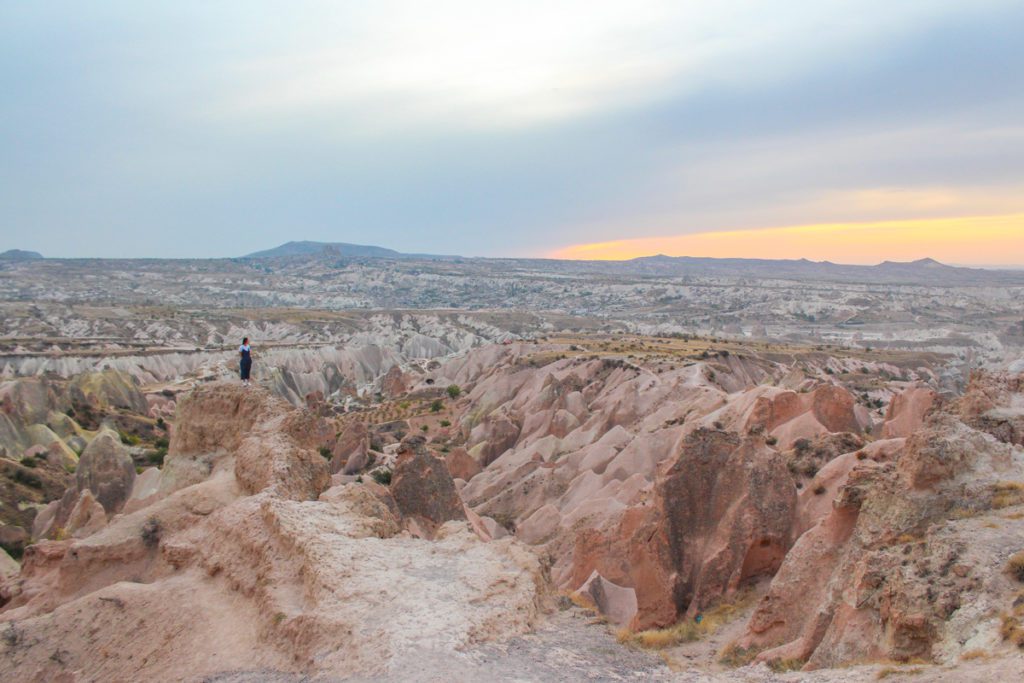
(841, 131)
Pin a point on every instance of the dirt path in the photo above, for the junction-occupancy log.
(571, 647)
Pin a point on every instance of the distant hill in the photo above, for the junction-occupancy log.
(326, 249)
(20, 255)
(922, 271)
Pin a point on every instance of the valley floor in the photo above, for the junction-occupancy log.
(571, 646)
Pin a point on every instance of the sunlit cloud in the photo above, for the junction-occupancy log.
(977, 240)
(497, 129)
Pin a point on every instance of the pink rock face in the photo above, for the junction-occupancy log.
(394, 383)
(870, 578)
(497, 434)
(723, 513)
(907, 411)
(790, 416)
(351, 446)
(461, 465)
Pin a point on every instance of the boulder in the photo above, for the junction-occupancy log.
(87, 517)
(422, 486)
(352, 446)
(617, 603)
(13, 538)
(106, 469)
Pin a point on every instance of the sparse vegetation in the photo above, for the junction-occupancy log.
(734, 656)
(437, 406)
(382, 476)
(783, 665)
(1015, 566)
(151, 532)
(689, 630)
(129, 439)
(1007, 494)
(27, 478)
(453, 391)
(897, 671)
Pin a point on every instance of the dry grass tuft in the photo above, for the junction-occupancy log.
(582, 601)
(974, 654)
(895, 671)
(1012, 628)
(734, 656)
(1015, 566)
(1007, 494)
(689, 630)
(783, 665)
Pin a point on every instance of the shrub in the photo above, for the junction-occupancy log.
(446, 423)
(436, 406)
(424, 428)
(151, 532)
(1015, 566)
(382, 476)
(325, 452)
(819, 490)
(690, 630)
(128, 439)
(156, 457)
(28, 479)
(160, 423)
(735, 656)
(771, 441)
(28, 461)
(453, 391)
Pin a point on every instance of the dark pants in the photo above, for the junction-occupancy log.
(245, 366)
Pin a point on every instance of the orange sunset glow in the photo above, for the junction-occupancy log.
(977, 240)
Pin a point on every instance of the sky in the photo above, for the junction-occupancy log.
(850, 131)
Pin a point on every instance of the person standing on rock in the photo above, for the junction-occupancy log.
(245, 362)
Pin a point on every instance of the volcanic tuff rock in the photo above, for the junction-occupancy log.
(238, 563)
(721, 514)
(899, 568)
(422, 486)
(107, 470)
(579, 444)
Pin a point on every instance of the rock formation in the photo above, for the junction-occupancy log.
(898, 568)
(243, 559)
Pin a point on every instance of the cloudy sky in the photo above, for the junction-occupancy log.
(853, 131)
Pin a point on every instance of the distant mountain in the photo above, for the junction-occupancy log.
(326, 249)
(20, 255)
(923, 271)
